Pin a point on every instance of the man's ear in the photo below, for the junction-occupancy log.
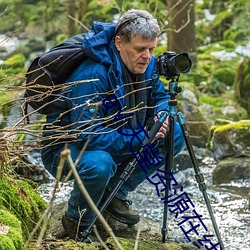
(118, 42)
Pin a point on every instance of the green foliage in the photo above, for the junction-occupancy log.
(221, 23)
(229, 23)
(216, 67)
(60, 38)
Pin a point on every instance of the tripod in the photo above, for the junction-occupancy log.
(127, 172)
(173, 90)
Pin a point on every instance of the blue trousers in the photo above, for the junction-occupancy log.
(99, 170)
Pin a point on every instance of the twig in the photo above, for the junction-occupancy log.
(45, 217)
(99, 238)
(137, 236)
(66, 154)
(77, 21)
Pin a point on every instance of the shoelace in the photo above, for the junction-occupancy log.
(127, 203)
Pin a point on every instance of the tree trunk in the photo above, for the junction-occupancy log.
(181, 27)
(71, 6)
(83, 7)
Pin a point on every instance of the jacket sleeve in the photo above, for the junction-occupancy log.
(88, 121)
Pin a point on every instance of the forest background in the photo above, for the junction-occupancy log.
(214, 33)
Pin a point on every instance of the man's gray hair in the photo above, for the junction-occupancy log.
(137, 22)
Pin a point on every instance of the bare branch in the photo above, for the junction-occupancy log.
(66, 154)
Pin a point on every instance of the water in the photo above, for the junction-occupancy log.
(230, 204)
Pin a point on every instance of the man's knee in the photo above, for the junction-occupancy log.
(97, 165)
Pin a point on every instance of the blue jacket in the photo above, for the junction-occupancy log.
(89, 117)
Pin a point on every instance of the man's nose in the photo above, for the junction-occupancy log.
(146, 54)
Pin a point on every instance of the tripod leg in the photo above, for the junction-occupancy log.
(124, 176)
(127, 172)
(168, 168)
(199, 176)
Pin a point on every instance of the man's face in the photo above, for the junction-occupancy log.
(137, 53)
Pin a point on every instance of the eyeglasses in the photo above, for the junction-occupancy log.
(124, 24)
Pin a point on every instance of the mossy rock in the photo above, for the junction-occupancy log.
(22, 200)
(231, 139)
(224, 75)
(11, 237)
(150, 235)
(128, 244)
(13, 70)
(242, 84)
(219, 107)
(231, 169)
(16, 61)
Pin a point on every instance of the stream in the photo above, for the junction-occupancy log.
(230, 203)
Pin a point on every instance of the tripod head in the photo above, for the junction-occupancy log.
(174, 89)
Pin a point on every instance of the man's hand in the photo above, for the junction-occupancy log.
(164, 128)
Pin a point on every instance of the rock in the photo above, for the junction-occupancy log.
(231, 169)
(183, 160)
(197, 125)
(232, 139)
(188, 95)
(149, 238)
(228, 110)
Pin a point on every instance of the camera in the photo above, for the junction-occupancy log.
(171, 65)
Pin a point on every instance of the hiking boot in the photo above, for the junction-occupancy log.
(121, 211)
(75, 231)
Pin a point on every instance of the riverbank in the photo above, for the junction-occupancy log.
(230, 203)
(145, 235)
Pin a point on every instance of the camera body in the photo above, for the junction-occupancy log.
(171, 65)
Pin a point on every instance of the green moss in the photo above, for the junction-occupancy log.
(21, 199)
(128, 244)
(16, 237)
(13, 71)
(239, 128)
(6, 243)
(212, 100)
(235, 125)
(16, 61)
(225, 75)
(228, 45)
(9, 219)
(219, 102)
(13, 239)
